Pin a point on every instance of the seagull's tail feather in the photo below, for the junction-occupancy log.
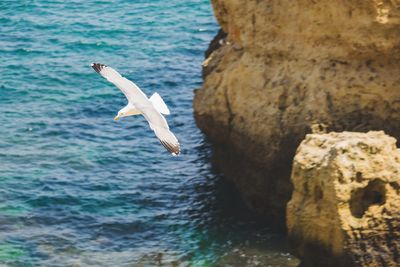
(159, 104)
(168, 140)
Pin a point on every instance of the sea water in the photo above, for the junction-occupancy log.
(79, 189)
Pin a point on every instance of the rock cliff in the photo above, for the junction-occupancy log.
(345, 203)
(284, 65)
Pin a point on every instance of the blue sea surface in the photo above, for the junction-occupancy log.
(77, 188)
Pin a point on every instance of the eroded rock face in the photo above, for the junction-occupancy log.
(345, 207)
(286, 64)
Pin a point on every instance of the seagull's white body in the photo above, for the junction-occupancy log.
(139, 103)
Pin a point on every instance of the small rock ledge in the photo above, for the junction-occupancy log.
(345, 208)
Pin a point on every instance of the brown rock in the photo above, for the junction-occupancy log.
(345, 208)
(287, 64)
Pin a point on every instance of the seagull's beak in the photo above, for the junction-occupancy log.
(116, 118)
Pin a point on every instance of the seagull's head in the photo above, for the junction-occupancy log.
(129, 110)
(119, 115)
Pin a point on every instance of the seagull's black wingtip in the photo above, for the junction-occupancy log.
(98, 67)
(175, 150)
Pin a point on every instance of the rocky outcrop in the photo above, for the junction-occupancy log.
(285, 65)
(345, 203)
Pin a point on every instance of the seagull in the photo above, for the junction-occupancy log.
(139, 104)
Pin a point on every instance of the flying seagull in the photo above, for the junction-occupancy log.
(138, 104)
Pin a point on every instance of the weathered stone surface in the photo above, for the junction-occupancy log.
(287, 64)
(345, 207)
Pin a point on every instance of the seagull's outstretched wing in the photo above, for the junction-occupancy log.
(135, 96)
(130, 90)
(160, 127)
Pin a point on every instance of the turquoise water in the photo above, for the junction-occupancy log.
(77, 188)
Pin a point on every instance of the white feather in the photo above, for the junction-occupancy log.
(159, 104)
